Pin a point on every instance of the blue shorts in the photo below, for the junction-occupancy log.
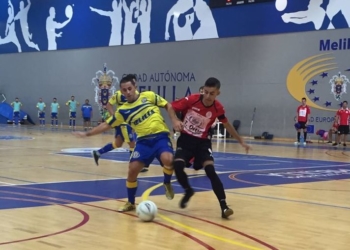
(125, 131)
(41, 114)
(72, 114)
(54, 115)
(16, 114)
(148, 149)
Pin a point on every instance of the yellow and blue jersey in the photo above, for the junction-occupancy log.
(143, 115)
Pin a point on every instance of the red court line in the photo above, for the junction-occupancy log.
(336, 156)
(192, 217)
(343, 153)
(107, 209)
(83, 222)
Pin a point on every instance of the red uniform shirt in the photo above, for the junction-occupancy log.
(303, 113)
(198, 118)
(344, 115)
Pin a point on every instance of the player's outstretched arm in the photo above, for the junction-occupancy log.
(177, 124)
(234, 133)
(95, 131)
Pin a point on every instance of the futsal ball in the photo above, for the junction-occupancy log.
(147, 211)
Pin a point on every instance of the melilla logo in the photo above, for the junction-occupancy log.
(317, 78)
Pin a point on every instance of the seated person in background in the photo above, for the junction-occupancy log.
(333, 130)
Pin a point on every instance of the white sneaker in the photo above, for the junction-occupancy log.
(296, 143)
(304, 143)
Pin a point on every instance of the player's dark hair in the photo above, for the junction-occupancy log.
(16, 98)
(212, 82)
(303, 99)
(55, 98)
(72, 96)
(128, 78)
(133, 76)
(345, 102)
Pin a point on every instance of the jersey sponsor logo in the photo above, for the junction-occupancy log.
(195, 124)
(196, 109)
(144, 117)
(144, 100)
(105, 83)
(208, 114)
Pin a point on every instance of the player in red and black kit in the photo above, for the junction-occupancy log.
(303, 112)
(199, 113)
(343, 116)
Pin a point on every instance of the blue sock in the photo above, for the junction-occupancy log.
(167, 174)
(74, 122)
(56, 122)
(40, 121)
(70, 122)
(52, 122)
(43, 122)
(132, 188)
(106, 148)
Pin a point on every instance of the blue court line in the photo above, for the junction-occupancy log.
(284, 199)
(9, 178)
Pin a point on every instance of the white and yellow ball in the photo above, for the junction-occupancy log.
(147, 211)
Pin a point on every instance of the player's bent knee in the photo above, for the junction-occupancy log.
(167, 159)
(179, 165)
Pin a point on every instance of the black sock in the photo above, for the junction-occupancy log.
(181, 176)
(298, 137)
(217, 186)
(305, 134)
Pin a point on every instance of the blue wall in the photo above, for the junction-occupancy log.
(194, 20)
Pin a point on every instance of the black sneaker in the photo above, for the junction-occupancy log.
(226, 212)
(96, 156)
(145, 169)
(329, 142)
(344, 144)
(189, 193)
(335, 144)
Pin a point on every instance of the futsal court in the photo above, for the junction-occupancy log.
(53, 196)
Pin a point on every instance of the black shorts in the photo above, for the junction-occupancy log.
(302, 125)
(343, 129)
(189, 146)
(87, 119)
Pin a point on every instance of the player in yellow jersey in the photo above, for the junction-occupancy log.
(142, 113)
(123, 132)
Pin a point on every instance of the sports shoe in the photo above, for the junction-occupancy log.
(189, 193)
(344, 144)
(96, 156)
(330, 142)
(127, 207)
(169, 192)
(145, 169)
(296, 143)
(226, 212)
(335, 144)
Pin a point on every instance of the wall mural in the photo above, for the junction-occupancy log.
(37, 25)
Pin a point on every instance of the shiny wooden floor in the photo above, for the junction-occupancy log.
(54, 201)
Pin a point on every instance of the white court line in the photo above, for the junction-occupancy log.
(7, 183)
(263, 164)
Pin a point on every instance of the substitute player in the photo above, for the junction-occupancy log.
(41, 106)
(72, 103)
(54, 112)
(16, 111)
(142, 112)
(123, 132)
(86, 113)
(303, 112)
(200, 111)
(343, 116)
